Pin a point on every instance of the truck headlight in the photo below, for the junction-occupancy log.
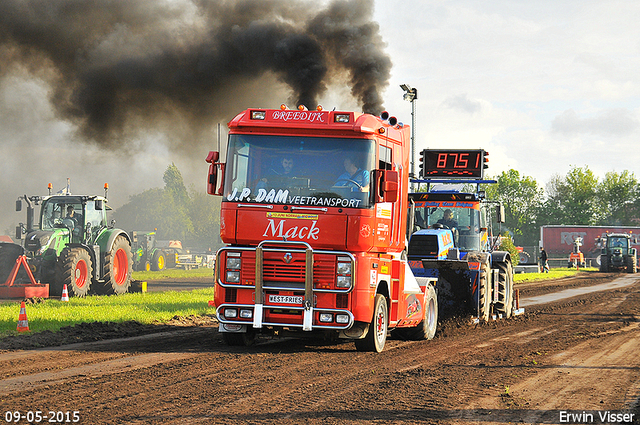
(233, 263)
(246, 314)
(344, 268)
(230, 313)
(233, 276)
(343, 282)
(326, 317)
(342, 318)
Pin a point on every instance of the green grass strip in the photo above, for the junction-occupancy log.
(148, 307)
(553, 274)
(173, 274)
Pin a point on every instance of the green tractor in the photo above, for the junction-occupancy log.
(74, 245)
(617, 253)
(146, 255)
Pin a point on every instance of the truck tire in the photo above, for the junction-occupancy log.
(427, 328)
(158, 263)
(377, 334)
(504, 305)
(484, 293)
(245, 339)
(74, 270)
(118, 267)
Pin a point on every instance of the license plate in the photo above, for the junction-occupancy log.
(285, 299)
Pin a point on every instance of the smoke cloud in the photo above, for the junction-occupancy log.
(118, 69)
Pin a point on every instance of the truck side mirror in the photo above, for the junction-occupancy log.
(390, 186)
(386, 187)
(212, 179)
(98, 205)
(18, 232)
(19, 205)
(500, 218)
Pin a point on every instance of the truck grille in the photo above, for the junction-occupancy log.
(276, 272)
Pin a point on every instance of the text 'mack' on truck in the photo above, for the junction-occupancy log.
(452, 237)
(314, 215)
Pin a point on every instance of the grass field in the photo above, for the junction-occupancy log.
(553, 274)
(146, 307)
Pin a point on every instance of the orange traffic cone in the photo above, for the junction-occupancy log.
(65, 293)
(23, 323)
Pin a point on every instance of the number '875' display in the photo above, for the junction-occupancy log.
(453, 163)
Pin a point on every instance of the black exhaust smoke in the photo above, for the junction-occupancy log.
(117, 68)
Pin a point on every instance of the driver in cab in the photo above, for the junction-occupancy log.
(447, 220)
(354, 177)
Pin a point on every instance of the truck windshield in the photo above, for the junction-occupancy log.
(309, 171)
(464, 222)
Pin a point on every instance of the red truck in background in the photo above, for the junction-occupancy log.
(314, 208)
(558, 240)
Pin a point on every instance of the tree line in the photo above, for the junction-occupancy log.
(577, 198)
(175, 213)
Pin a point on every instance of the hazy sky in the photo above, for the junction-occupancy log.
(543, 86)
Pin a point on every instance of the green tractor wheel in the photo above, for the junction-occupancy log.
(158, 263)
(75, 271)
(118, 266)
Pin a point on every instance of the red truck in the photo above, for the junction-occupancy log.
(558, 240)
(314, 215)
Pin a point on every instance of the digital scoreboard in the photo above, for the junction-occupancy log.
(453, 163)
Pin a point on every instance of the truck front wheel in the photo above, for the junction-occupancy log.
(117, 267)
(75, 271)
(377, 334)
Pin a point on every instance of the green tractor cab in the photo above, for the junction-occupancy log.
(617, 253)
(74, 245)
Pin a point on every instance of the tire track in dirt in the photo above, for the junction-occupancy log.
(294, 381)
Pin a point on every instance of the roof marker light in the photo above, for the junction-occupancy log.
(319, 108)
(302, 108)
(341, 118)
(283, 107)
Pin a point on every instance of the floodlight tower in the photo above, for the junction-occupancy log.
(410, 95)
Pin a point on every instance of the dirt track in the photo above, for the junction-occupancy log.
(574, 355)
